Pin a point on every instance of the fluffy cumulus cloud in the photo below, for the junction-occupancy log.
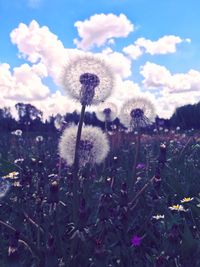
(174, 89)
(37, 43)
(24, 83)
(164, 45)
(120, 64)
(100, 28)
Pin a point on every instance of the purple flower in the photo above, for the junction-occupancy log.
(140, 166)
(136, 241)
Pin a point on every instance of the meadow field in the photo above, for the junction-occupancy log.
(140, 207)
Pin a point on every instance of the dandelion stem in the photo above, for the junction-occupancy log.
(137, 152)
(76, 167)
(141, 191)
(31, 246)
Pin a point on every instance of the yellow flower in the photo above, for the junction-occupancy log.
(177, 208)
(11, 175)
(187, 199)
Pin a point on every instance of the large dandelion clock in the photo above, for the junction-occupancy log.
(93, 148)
(88, 79)
(137, 112)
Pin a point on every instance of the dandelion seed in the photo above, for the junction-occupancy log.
(88, 79)
(137, 113)
(94, 145)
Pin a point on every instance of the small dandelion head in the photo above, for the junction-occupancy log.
(88, 79)
(17, 132)
(93, 147)
(137, 113)
(107, 112)
(39, 138)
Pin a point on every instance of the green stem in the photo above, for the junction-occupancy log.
(137, 152)
(141, 191)
(33, 249)
(76, 167)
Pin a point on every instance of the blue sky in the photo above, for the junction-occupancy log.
(151, 21)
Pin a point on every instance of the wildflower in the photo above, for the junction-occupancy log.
(17, 132)
(137, 112)
(158, 217)
(186, 199)
(140, 166)
(39, 138)
(18, 160)
(93, 148)
(11, 175)
(17, 184)
(177, 208)
(107, 112)
(88, 79)
(136, 241)
(4, 187)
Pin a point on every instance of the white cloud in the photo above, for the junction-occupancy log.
(37, 43)
(174, 89)
(165, 45)
(100, 28)
(120, 64)
(133, 51)
(24, 84)
(156, 76)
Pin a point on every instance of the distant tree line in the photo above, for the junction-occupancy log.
(30, 119)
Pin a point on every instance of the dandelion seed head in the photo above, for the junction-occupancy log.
(107, 112)
(94, 145)
(137, 112)
(88, 79)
